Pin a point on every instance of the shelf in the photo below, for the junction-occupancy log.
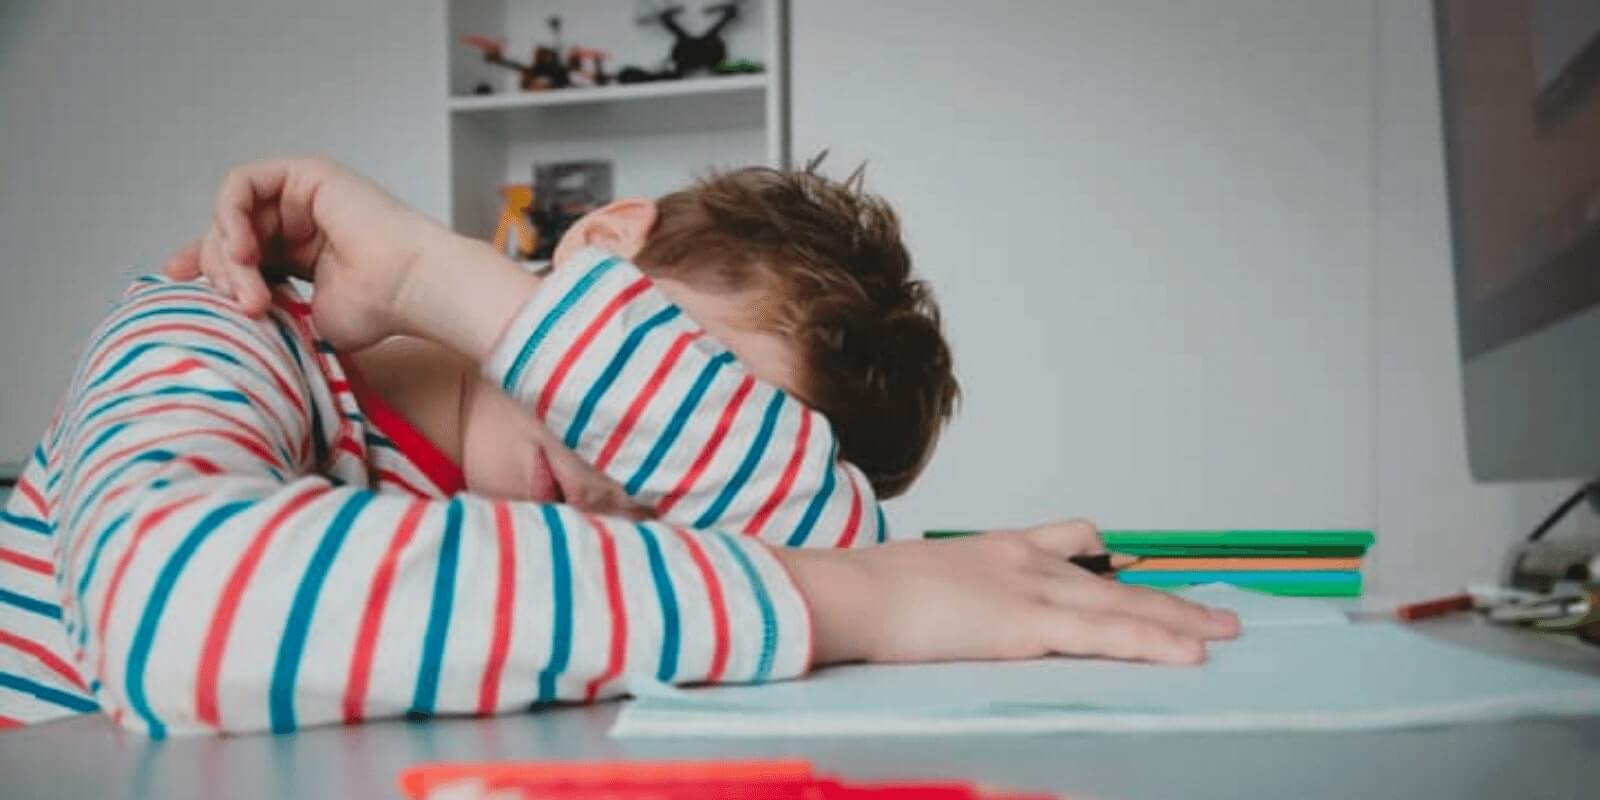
(728, 84)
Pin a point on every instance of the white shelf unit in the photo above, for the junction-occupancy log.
(658, 136)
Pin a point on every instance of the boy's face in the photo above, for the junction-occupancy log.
(538, 466)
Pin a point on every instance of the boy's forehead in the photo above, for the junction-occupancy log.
(736, 320)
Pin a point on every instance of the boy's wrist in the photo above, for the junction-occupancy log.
(836, 587)
(462, 293)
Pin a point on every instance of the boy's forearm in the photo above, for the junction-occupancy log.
(463, 293)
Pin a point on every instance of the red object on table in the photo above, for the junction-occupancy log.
(1412, 612)
(670, 780)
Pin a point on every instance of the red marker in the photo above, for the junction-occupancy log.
(1412, 612)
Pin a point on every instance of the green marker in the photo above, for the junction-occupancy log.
(1282, 543)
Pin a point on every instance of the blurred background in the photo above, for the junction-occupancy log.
(1194, 256)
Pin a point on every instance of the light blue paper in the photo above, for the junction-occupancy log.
(1258, 610)
(1288, 677)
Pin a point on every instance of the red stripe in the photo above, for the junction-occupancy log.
(216, 641)
(619, 612)
(32, 496)
(181, 367)
(853, 524)
(355, 692)
(93, 523)
(265, 363)
(109, 604)
(719, 610)
(787, 481)
(349, 445)
(27, 562)
(293, 398)
(639, 403)
(202, 297)
(118, 456)
(582, 342)
(243, 428)
(505, 598)
(706, 453)
(47, 658)
(7, 723)
(200, 465)
(406, 486)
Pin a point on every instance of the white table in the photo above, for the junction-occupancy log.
(90, 758)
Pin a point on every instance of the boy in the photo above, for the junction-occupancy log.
(254, 512)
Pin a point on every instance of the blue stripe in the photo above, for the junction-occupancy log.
(769, 617)
(758, 448)
(324, 347)
(883, 527)
(26, 603)
(100, 441)
(286, 667)
(668, 600)
(560, 605)
(38, 526)
(180, 311)
(288, 340)
(157, 456)
(609, 375)
(144, 636)
(444, 596)
(808, 520)
(224, 395)
(565, 304)
(691, 401)
(49, 694)
(88, 573)
(144, 347)
(38, 456)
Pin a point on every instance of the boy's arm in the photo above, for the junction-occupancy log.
(212, 582)
(600, 355)
(635, 387)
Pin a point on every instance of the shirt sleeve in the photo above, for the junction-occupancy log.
(215, 578)
(636, 388)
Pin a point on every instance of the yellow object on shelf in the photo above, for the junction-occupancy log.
(518, 199)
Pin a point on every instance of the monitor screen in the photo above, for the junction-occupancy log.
(1521, 91)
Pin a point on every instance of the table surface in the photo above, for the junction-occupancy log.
(88, 757)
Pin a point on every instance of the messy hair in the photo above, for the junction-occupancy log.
(829, 259)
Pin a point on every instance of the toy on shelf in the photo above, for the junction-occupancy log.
(549, 70)
(516, 219)
(566, 190)
(691, 54)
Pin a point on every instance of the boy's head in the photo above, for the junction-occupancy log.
(808, 282)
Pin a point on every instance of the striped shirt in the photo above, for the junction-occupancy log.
(220, 532)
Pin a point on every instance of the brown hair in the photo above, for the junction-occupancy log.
(873, 356)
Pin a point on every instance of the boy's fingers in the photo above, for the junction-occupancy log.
(1174, 613)
(1066, 539)
(1080, 632)
(184, 265)
(213, 263)
(243, 189)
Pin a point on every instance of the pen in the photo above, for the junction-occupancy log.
(1097, 563)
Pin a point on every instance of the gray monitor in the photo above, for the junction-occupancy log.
(1520, 82)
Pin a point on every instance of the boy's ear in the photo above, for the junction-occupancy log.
(620, 228)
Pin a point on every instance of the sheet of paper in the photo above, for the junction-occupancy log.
(1286, 677)
(1257, 610)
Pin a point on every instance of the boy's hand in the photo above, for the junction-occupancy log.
(315, 220)
(1006, 595)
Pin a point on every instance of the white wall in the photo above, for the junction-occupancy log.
(118, 118)
(1193, 254)
(1150, 225)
